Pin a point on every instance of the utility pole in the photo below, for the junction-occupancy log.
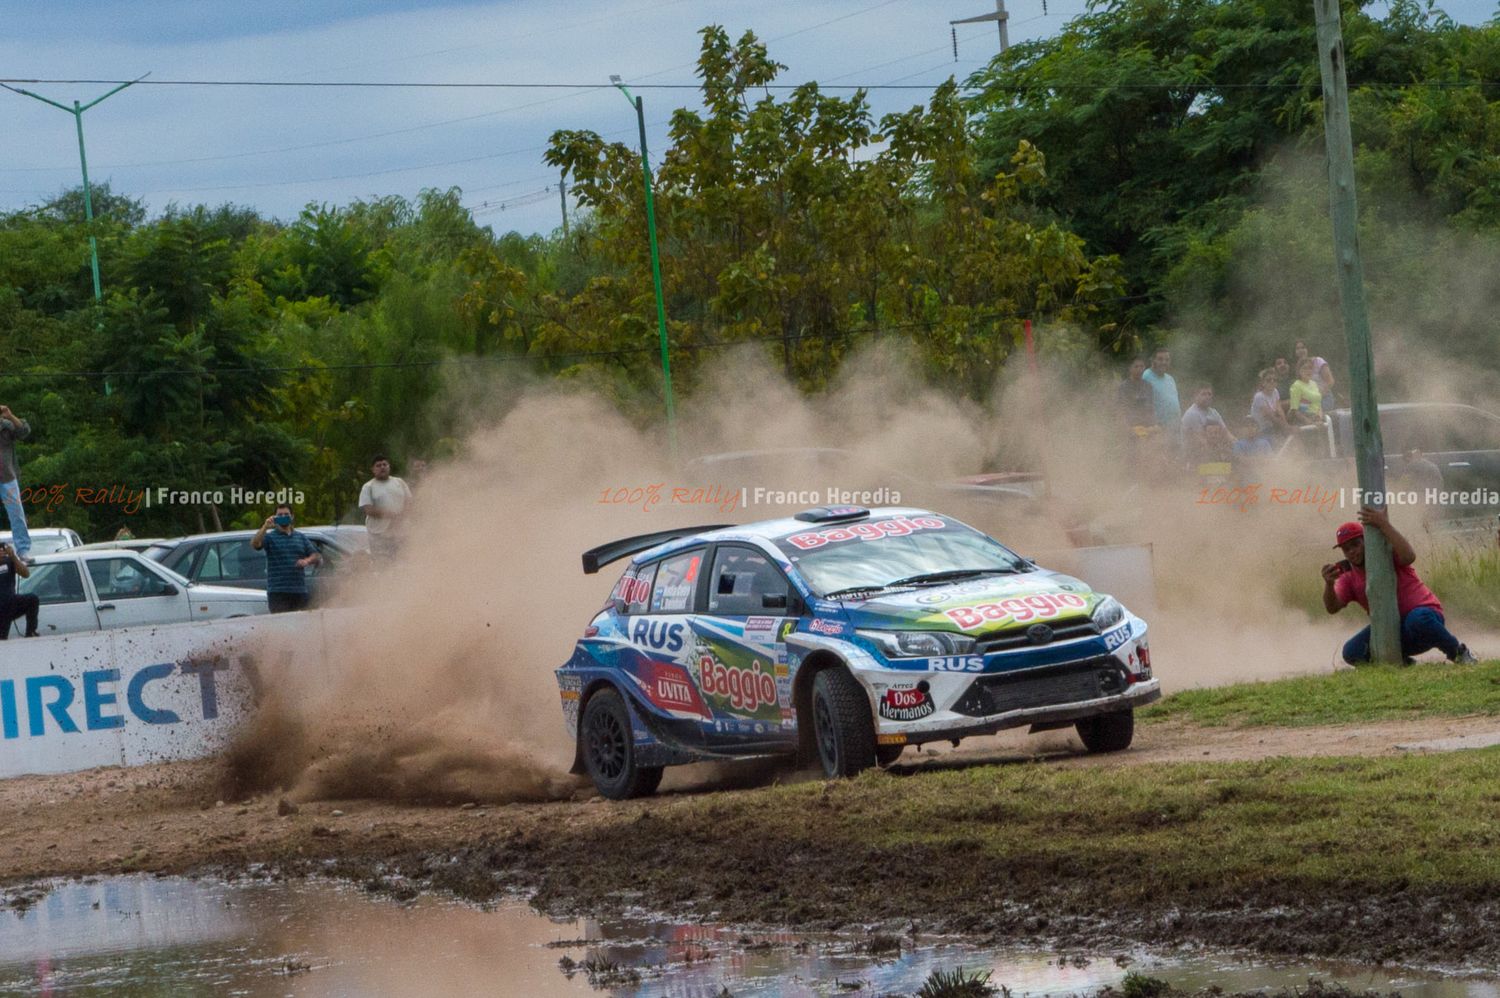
(661, 308)
(1369, 452)
(999, 16)
(88, 197)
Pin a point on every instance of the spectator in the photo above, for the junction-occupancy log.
(1265, 408)
(288, 552)
(1425, 479)
(385, 501)
(14, 606)
(1167, 406)
(1307, 397)
(1420, 473)
(1283, 380)
(13, 428)
(1422, 623)
(1252, 443)
(1325, 384)
(1204, 435)
(1300, 353)
(124, 534)
(1137, 399)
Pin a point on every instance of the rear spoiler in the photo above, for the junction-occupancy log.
(596, 558)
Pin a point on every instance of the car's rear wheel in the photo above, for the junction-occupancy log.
(1107, 732)
(609, 750)
(843, 727)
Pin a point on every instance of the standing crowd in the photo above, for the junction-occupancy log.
(1287, 396)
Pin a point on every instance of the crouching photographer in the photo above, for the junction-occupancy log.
(1422, 623)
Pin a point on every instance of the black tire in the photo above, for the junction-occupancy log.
(608, 749)
(843, 727)
(1107, 732)
(887, 754)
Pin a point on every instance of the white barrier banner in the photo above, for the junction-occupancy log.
(132, 696)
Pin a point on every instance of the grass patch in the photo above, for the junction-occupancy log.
(1136, 832)
(1369, 693)
(1465, 576)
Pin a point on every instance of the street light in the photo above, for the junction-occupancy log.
(88, 198)
(661, 308)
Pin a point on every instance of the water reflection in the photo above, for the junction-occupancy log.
(147, 936)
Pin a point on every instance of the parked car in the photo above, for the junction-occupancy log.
(1464, 442)
(129, 544)
(227, 558)
(842, 634)
(95, 590)
(45, 540)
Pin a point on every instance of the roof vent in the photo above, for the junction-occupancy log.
(832, 514)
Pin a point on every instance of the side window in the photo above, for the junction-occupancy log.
(633, 592)
(206, 567)
(241, 561)
(331, 556)
(58, 582)
(741, 581)
(676, 579)
(121, 578)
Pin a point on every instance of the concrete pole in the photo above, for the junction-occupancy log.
(1369, 453)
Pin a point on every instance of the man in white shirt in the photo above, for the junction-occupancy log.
(385, 500)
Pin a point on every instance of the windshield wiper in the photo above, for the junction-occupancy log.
(952, 575)
(852, 590)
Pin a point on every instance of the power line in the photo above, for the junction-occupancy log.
(1038, 85)
(426, 85)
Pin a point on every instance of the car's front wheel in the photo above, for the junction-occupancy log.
(609, 750)
(1107, 732)
(842, 724)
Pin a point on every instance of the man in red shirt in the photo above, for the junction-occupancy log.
(1422, 623)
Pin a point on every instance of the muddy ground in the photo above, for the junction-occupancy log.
(586, 854)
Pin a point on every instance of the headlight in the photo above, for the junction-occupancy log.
(919, 644)
(1109, 613)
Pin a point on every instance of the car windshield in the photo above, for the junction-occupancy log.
(877, 554)
(181, 580)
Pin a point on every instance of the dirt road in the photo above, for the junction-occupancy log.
(173, 818)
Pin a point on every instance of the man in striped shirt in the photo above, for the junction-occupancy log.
(288, 552)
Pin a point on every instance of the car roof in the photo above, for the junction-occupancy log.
(88, 554)
(767, 531)
(49, 531)
(234, 535)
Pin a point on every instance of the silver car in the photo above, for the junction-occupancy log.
(94, 590)
(46, 540)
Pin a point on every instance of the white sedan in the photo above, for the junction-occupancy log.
(82, 590)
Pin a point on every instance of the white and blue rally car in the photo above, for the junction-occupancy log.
(842, 634)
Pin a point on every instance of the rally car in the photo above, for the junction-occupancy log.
(842, 634)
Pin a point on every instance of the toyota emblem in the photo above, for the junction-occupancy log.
(1039, 634)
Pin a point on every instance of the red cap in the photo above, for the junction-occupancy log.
(1347, 532)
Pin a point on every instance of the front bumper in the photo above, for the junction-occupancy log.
(1044, 688)
(1139, 695)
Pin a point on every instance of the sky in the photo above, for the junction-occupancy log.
(278, 148)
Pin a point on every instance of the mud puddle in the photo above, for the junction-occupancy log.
(156, 936)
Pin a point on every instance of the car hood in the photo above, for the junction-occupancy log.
(225, 594)
(979, 606)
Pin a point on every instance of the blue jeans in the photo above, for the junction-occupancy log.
(20, 537)
(1421, 629)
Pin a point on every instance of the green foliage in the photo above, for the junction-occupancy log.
(786, 222)
(957, 983)
(1141, 986)
(1349, 696)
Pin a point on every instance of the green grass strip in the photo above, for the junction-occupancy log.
(1371, 693)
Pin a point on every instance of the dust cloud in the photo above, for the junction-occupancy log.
(442, 688)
